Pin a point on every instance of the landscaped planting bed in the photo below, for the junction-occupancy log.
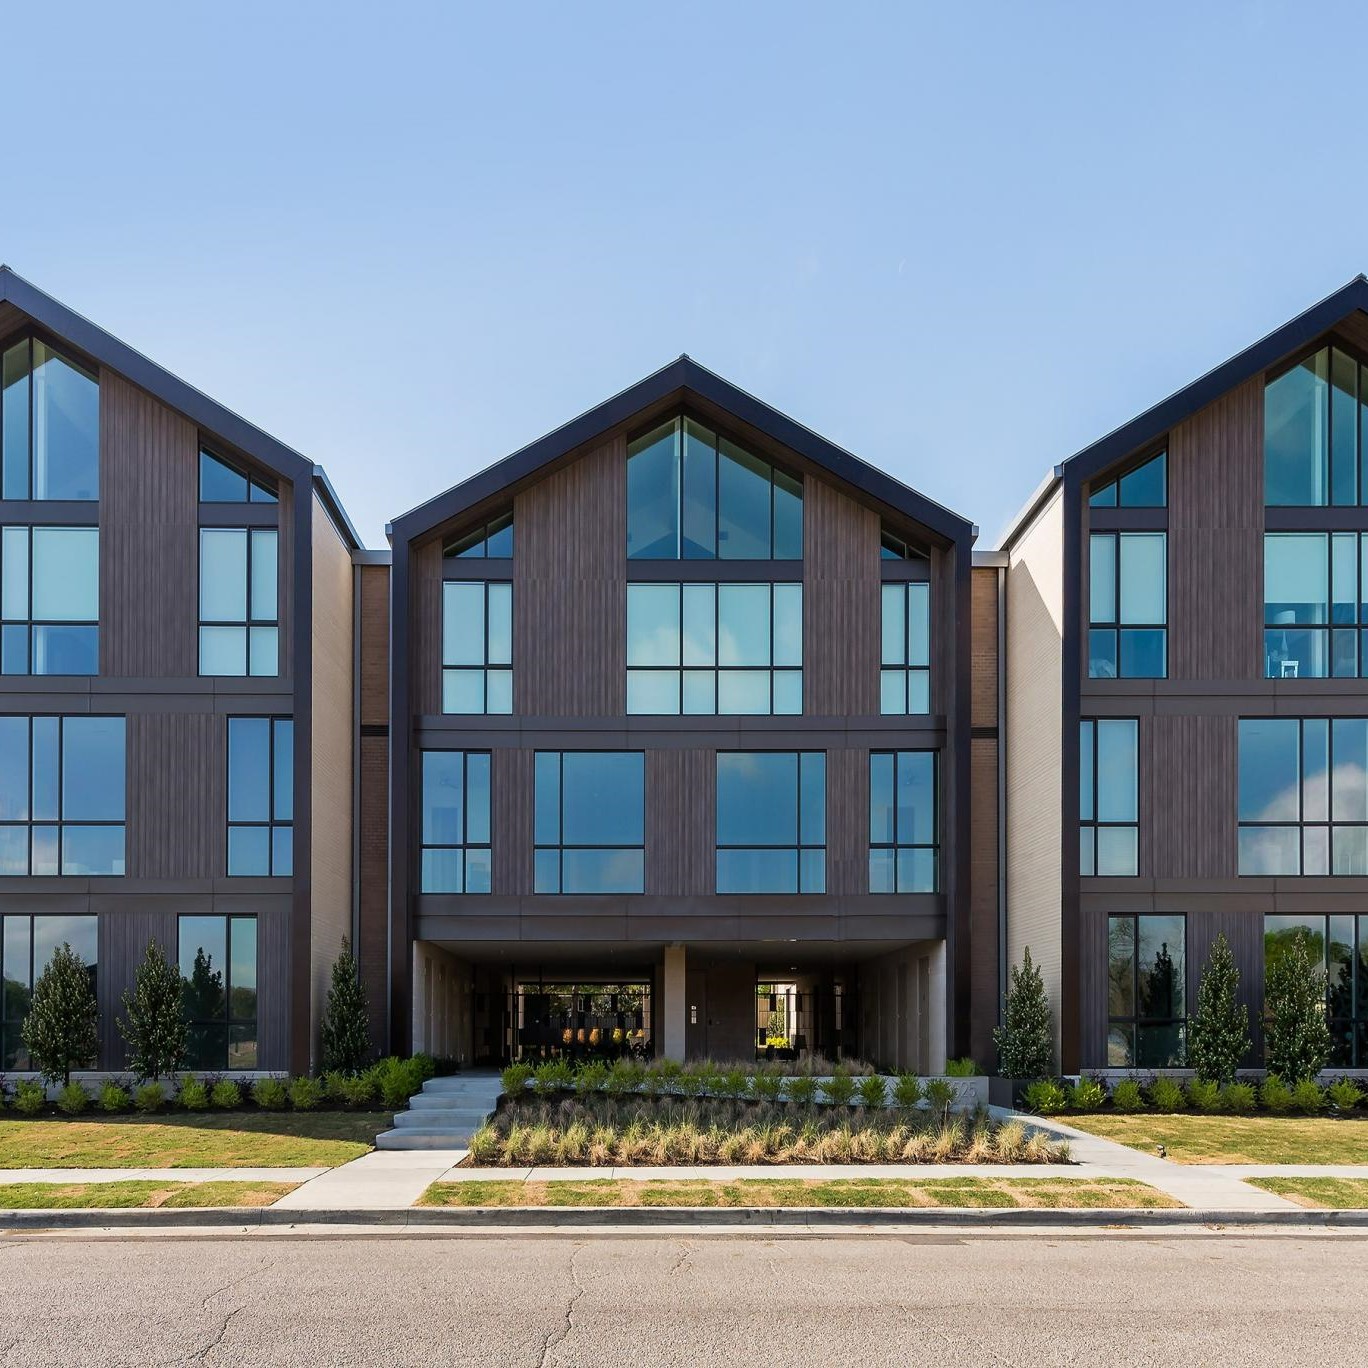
(1094, 1193)
(599, 1130)
(69, 1196)
(1332, 1194)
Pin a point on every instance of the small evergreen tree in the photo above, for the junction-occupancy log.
(346, 1018)
(1296, 1038)
(1025, 1040)
(60, 1029)
(153, 1023)
(1218, 1034)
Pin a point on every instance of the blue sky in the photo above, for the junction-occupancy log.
(962, 241)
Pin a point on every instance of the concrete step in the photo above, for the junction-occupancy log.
(420, 1140)
(479, 1086)
(449, 1118)
(448, 1101)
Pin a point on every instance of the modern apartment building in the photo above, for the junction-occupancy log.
(682, 730)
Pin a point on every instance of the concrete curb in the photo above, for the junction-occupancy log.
(669, 1218)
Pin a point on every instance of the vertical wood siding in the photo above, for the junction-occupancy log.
(983, 643)
(1188, 796)
(425, 623)
(681, 822)
(569, 596)
(124, 937)
(374, 652)
(177, 814)
(1216, 539)
(510, 801)
(983, 892)
(847, 817)
(841, 614)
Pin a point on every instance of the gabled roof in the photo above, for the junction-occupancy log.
(678, 381)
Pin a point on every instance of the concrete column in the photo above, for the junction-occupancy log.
(936, 1018)
(675, 1007)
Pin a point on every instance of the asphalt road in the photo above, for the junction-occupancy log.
(925, 1298)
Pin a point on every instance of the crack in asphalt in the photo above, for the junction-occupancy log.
(559, 1335)
(685, 1253)
(200, 1355)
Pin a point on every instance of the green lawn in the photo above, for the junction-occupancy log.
(765, 1192)
(1237, 1139)
(1335, 1194)
(67, 1196)
(228, 1140)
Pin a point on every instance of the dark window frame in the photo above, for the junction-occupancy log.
(227, 1021)
(464, 844)
(480, 535)
(77, 361)
(255, 483)
(1115, 625)
(897, 845)
(488, 666)
(250, 532)
(10, 1027)
(273, 823)
(30, 622)
(1090, 826)
(561, 846)
(1349, 1033)
(798, 846)
(1112, 485)
(1329, 631)
(908, 671)
(1138, 1022)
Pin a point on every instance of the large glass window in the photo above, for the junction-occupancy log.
(261, 796)
(589, 825)
(50, 600)
(61, 796)
(1143, 486)
(1338, 948)
(771, 822)
(224, 481)
(714, 648)
(218, 964)
(693, 495)
(239, 601)
(456, 856)
(1128, 605)
(1108, 796)
(1315, 604)
(905, 676)
(1314, 419)
(477, 647)
(1146, 992)
(904, 838)
(492, 540)
(49, 424)
(1303, 801)
(26, 945)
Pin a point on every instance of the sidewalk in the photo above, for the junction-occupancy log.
(160, 1175)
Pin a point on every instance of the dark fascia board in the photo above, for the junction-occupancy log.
(1151, 425)
(105, 348)
(324, 488)
(682, 377)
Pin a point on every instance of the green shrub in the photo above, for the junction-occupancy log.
(423, 1065)
(907, 1090)
(1345, 1094)
(1087, 1095)
(73, 1099)
(1025, 1040)
(515, 1078)
(357, 1090)
(623, 1078)
(1218, 1032)
(1308, 1097)
(225, 1095)
(30, 1097)
(1296, 1038)
(346, 1017)
(306, 1093)
(735, 1083)
(113, 1098)
(1239, 1099)
(153, 1022)
(940, 1095)
(554, 1076)
(1166, 1095)
(270, 1094)
(149, 1098)
(802, 1090)
(1046, 1097)
(61, 1029)
(1127, 1097)
(1203, 1095)
(395, 1080)
(962, 1068)
(591, 1077)
(194, 1093)
(769, 1087)
(873, 1091)
(839, 1089)
(1275, 1095)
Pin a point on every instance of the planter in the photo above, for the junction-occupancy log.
(1008, 1092)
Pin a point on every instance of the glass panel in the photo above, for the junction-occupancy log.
(443, 798)
(1143, 595)
(1161, 962)
(653, 624)
(284, 769)
(264, 560)
(1269, 850)
(788, 517)
(743, 504)
(653, 495)
(1087, 851)
(1296, 413)
(499, 691)
(546, 871)
(92, 850)
(441, 871)
(894, 608)
(1121, 966)
(463, 624)
(700, 692)
(249, 766)
(1145, 486)
(919, 624)
(66, 650)
(1102, 578)
(14, 769)
(1144, 652)
(1086, 733)
(1117, 781)
(1351, 770)
(463, 691)
(1343, 428)
(66, 574)
(478, 870)
(1270, 769)
(788, 624)
(1102, 653)
(700, 492)
(500, 624)
(1315, 770)
(203, 958)
(602, 871)
(1344, 654)
(93, 769)
(282, 851)
(14, 643)
(1351, 850)
(916, 870)
(757, 798)
(1121, 1047)
(220, 483)
(881, 798)
(66, 428)
(249, 851)
(14, 573)
(812, 871)
(477, 797)
(653, 691)
(44, 850)
(812, 810)
(892, 691)
(14, 850)
(223, 650)
(916, 814)
(700, 624)
(547, 801)
(743, 625)
(788, 692)
(46, 766)
(603, 798)
(263, 650)
(1116, 852)
(1104, 496)
(743, 692)
(14, 419)
(1296, 586)
(263, 493)
(1160, 1046)
(499, 545)
(881, 871)
(223, 574)
(757, 871)
(1315, 850)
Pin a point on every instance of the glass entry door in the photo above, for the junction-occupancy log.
(581, 1020)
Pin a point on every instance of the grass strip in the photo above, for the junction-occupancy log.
(1092, 1193)
(141, 1193)
(1236, 1139)
(1328, 1194)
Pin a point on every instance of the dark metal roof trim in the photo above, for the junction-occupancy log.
(1268, 351)
(681, 378)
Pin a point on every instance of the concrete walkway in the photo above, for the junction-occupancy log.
(379, 1181)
